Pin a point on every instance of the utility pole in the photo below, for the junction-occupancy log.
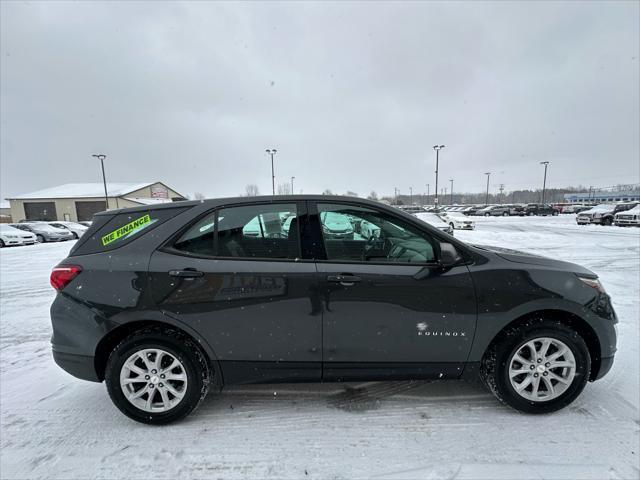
(486, 199)
(395, 192)
(501, 189)
(437, 148)
(451, 193)
(410, 195)
(101, 157)
(544, 183)
(272, 152)
(427, 194)
(292, 178)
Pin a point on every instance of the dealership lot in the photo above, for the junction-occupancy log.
(55, 426)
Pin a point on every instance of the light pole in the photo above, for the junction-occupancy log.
(292, 178)
(501, 190)
(427, 194)
(437, 148)
(544, 183)
(272, 152)
(410, 195)
(101, 157)
(451, 193)
(486, 199)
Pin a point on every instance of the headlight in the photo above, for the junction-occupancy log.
(12, 236)
(593, 283)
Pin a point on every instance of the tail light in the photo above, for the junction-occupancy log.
(61, 276)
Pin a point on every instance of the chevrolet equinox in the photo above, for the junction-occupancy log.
(162, 302)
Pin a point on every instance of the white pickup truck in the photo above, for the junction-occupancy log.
(628, 218)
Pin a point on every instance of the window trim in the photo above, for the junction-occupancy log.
(301, 212)
(314, 217)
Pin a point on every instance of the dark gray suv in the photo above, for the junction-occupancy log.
(162, 302)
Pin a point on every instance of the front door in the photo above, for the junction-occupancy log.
(390, 310)
(236, 276)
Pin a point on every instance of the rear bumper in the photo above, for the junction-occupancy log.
(80, 366)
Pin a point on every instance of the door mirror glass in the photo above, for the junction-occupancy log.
(449, 256)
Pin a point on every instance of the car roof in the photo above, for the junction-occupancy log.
(216, 202)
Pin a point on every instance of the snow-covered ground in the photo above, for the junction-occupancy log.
(54, 426)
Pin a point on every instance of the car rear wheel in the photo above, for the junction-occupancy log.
(40, 239)
(537, 368)
(157, 376)
(1, 244)
(505, 214)
(487, 214)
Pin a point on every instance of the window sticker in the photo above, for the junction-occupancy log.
(128, 230)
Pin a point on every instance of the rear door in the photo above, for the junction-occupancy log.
(237, 276)
(389, 309)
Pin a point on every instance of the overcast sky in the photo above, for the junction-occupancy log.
(353, 96)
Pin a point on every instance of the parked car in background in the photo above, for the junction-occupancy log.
(11, 236)
(481, 211)
(412, 208)
(85, 223)
(75, 228)
(435, 221)
(44, 232)
(456, 221)
(628, 218)
(575, 208)
(516, 209)
(497, 211)
(368, 230)
(603, 214)
(540, 209)
(336, 226)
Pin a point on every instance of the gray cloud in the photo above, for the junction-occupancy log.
(352, 95)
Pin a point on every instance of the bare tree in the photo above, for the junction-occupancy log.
(327, 192)
(373, 195)
(251, 190)
(351, 194)
(198, 196)
(283, 189)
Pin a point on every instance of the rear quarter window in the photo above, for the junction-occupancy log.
(121, 229)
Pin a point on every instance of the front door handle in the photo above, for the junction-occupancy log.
(186, 273)
(344, 279)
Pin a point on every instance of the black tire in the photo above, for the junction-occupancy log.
(453, 227)
(40, 239)
(494, 370)
(487, 214)
(505, 214)
(607, 221)
(555, 213)
(180, 346)
(75, 235)
(1, 244)
(530, 214)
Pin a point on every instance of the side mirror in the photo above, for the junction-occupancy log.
(449, 256)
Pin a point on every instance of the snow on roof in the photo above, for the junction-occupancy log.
(148, 201)
(87, 190)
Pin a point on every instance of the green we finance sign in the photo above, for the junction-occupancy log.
(127, 230)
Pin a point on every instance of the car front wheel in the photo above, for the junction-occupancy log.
(538, 368)
(40, 239)
(157, 376)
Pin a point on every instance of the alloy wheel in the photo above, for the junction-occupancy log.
(542, 369)
(153, 380)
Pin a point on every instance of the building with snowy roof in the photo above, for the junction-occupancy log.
(80, 201)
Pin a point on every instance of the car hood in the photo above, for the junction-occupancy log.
(517, 256)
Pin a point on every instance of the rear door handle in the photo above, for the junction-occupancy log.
(186, 273)
(344, 279)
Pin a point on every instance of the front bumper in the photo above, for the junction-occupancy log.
(583, 220)
(627, 223)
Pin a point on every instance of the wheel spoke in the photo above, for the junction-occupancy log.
(149, 403)
(553, 376)
(524, 384)
(515, 372)
(562, 364)
(546, 343)
(517, 357)
(532, 349)
(139, 393)
(561, 351)
(175, 392)
(550, 389)
(173, 365)
(165, 398)
(134, 368)
(535, 385)
(128, 381)
(176, 376)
